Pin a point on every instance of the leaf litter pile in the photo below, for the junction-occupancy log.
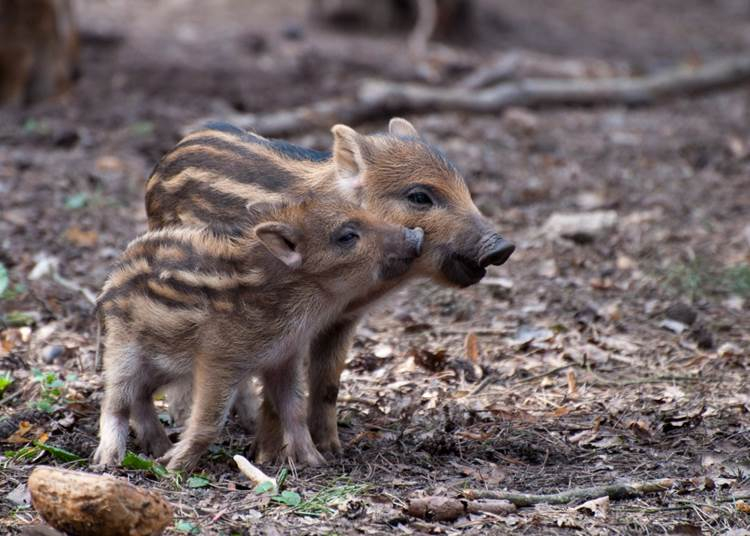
(598, 381)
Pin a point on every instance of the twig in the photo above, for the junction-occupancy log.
(11, 397)
(493, 378)
(544, 374)
(601, 381)
(614, 492)
(381, 98)
(72, 285)
(255, 475)
(489, 380)
(518, 64)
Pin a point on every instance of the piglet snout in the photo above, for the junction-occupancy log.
(496, 250)
(415, 240)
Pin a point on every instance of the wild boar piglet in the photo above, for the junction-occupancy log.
(190, 303)
(211, 175)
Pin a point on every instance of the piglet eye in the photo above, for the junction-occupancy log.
(420, 198)
(348, 239)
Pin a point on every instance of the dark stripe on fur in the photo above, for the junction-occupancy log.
(239, 164)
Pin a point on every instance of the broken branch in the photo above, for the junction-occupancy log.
(614, 492)
(519, 64)
(381, 98)
(255, 475)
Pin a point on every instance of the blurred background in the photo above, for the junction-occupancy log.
(95, 92)
(630, 210)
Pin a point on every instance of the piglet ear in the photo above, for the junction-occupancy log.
(282, 240)
(402, 128)
(347, 155)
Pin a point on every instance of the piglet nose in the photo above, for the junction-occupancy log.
(415, 238)
(496, 251)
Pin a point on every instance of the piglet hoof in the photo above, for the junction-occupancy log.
(157, 445)
(330, 444)
(107, 456)
(305, 455)
(264, 454)
(179, 458)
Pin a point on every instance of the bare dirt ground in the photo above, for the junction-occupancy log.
(580, 377)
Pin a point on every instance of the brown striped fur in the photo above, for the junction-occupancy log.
(191, 303)
(214, 172)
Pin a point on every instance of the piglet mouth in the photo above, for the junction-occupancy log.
(462, 271)
(395, 267)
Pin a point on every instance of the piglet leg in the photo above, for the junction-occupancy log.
(269, 440)
(213, 393)
(282, 389)
(327, 360)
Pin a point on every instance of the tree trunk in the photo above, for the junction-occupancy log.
(38, 50)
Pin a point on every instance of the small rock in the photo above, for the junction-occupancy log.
(383, 351)
(20, 495)
(51, 352)
(673, 325)
(681, 312)
(582, 227)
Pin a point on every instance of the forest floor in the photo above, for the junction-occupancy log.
(616, 355)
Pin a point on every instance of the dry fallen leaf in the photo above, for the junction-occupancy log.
(19, 436)
(572, 384)
(432, 361)
(596, 507)
(640, 428)
(471, 346)
(81, 238)
(729, 349)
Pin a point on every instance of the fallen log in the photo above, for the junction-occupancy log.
(85, 504)
(377, 98)
(613, 491)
